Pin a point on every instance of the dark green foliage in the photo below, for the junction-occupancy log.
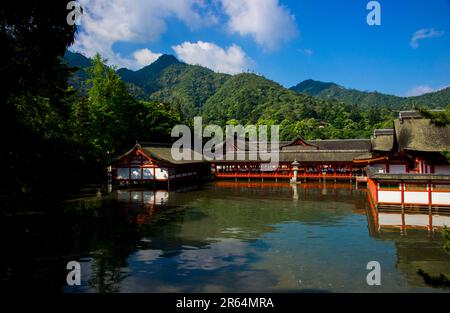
(446, 154)
(440, 118)
(110, 120)
(441, 281)
(35, 99)
(439, 99)
(313, 88)
(252, 99)
(78, 64)
(446, 235)
(54, 136)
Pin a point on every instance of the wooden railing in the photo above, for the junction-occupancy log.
(254, 175)
(284, 175)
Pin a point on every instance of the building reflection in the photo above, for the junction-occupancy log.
(192, 240)
(141, 205)
(416, 234)
(407, 217)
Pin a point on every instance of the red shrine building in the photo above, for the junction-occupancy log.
(403, 166)
(299, 159)
(407, 166)
(153, 163)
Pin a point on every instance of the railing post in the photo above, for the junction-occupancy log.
(430, 204)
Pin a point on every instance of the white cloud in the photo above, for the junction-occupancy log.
(269, 23)
(232, 60)
(423, 34)
(419, 90)
(423, 89)
(308, 52)
(144, 57)
(106, 22)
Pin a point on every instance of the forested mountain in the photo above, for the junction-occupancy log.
(322, 90)
(79, 63)
(186, 87)
(320, 110)
(251, 99)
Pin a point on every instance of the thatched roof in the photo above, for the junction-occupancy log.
(383, 132)
(414, 114)
(165, 154)
(317, 151)
(162, 152)
(421, 135)
(301, 144)
(304, 156)
(342, 144)
(383, 140)
(321, 156)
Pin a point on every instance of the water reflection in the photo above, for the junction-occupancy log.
(238, 237)
(260, 237)
(406, 218)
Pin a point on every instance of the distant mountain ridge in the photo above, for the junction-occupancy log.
(313, 87)
(194, 90)
(325, 91)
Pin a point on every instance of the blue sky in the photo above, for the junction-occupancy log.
(285, 40)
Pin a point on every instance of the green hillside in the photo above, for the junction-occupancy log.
(439, 99)
(312, 109)
(249, 97)
(78, 63)
(252, 99)
(186, 87)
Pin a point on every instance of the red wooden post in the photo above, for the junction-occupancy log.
(377, 187)
(430, 204)
(403, 219)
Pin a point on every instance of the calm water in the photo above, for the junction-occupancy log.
(223, 237)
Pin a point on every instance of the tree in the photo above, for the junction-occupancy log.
(34, 95)
(110, 120)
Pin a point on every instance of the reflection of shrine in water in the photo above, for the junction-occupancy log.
(418, 249)
(415, 231)
(407, 217)
(224, 226)
(140, 205)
